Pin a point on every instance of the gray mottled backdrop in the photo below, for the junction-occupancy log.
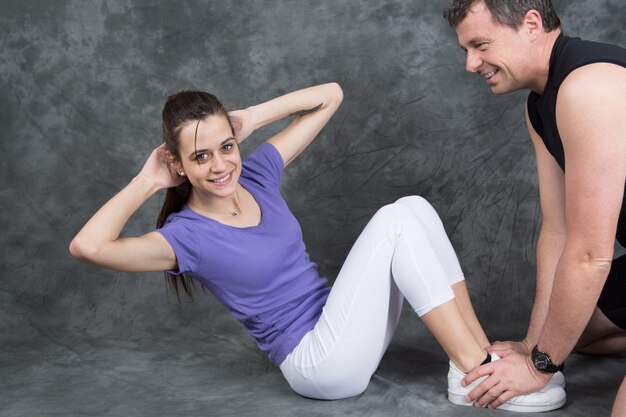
(81, 88)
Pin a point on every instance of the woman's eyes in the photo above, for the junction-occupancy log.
(202, 157)
(205, 156)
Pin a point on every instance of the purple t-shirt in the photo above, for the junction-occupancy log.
(262, 273)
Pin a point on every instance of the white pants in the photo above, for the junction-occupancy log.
(403, 251)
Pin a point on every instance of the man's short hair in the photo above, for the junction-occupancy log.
(505, 12)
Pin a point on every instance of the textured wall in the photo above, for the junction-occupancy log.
(82, 84)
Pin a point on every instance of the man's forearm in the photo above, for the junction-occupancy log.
(549, 248)
(577, 286)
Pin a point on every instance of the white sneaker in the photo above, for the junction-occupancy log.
(558, 379)
(548, 398)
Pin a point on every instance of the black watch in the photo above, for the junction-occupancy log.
(543, 362)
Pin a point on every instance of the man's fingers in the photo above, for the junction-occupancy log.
(476, 373)
(504, 397)
(496, 349)
(505, 352)
(488, 397)
(501, 351)
(480, 390)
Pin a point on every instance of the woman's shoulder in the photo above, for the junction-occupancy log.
(181, 217)
(264, 164)
(183, 222)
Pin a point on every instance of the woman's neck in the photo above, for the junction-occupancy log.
(230, 205)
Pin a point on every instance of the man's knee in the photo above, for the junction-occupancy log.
(619, 407)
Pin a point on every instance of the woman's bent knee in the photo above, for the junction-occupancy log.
(393, 212)
(420, 207)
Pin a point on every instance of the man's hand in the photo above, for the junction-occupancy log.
(510, 376)
(522, 347)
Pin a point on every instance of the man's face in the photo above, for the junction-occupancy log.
(495, 52)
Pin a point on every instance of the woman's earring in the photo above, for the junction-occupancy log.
(181, 173)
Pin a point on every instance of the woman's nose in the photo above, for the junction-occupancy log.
(218, 163)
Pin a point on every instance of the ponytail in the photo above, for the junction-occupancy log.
(175, 198)
(180, 108)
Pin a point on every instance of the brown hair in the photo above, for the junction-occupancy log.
(505, 12)
(179, 109)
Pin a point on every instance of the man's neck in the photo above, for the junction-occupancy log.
(542, 58)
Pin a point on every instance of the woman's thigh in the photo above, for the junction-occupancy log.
(338, 357)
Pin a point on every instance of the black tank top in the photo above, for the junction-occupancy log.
(569, 54)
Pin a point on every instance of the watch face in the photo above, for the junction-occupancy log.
(541, 362)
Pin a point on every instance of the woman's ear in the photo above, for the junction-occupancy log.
(174, 163)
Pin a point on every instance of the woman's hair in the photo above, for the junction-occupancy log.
(506, 12)
(180, 108)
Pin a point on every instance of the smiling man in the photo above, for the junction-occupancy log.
(576, 117)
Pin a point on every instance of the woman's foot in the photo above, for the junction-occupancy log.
(548, 398)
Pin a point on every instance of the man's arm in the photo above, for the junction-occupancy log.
(591, 116)
(549, 244)
(552, 235)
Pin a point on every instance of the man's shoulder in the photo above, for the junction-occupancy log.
(576, 52)
(598, 78)
(591, 98)
(583, 66)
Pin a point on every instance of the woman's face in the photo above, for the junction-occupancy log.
(210, 158)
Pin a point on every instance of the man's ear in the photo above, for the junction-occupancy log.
(532, 24)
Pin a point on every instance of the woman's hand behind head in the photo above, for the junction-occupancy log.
(243, 123)
(161, 170)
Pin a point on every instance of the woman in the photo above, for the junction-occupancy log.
(225, 224)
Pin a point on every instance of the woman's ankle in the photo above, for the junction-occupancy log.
(470, 360)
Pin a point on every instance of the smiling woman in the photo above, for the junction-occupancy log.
(226, 225)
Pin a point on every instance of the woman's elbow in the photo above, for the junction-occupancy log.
(82, 250)
(336, 93)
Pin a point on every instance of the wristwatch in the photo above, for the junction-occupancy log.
(543, 363)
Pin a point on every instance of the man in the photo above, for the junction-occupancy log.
(580, 146)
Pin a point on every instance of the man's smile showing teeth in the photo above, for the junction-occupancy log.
(490, 74)
(223, 179)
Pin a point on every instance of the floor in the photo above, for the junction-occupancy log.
(191, 366)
